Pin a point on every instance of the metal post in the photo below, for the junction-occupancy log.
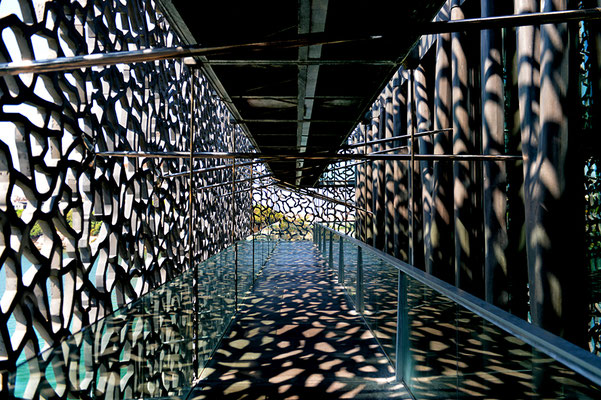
(358, 199)
(401, 234)
(415, 223)
(359, 294)
(236, 275)
(423, 122)
(378, 178)
(555, 206)
(465, 218)
(517, 267)
(341, 261)
(402, 330)
(496, 277)
(233, 228)
(193, 265)
(331, 253)
(252, 224)
(389, 172)
(368, 191)
(441, 231)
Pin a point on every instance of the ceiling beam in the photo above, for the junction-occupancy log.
(311, 19)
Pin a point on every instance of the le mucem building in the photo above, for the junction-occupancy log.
(311, 198)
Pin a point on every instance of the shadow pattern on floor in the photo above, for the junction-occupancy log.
(297, 337)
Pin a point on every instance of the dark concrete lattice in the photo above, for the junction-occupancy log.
(60, 275)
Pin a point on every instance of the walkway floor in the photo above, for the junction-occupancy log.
(297, 337)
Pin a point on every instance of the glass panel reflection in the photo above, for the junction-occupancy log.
(147, 349)
(455, 353)
(445, 350)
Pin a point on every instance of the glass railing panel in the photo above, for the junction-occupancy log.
(380, 294)
(445, 348)
(334, 253)
(216, 300)
(453, 352)
(350, 270)
(429, 360)
(141, 351)
(155, 346)
(245, 267)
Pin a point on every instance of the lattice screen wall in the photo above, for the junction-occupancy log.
(96, 233)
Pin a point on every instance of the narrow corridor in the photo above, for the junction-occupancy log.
(297, 337)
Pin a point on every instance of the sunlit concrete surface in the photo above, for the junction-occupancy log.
(297, 337)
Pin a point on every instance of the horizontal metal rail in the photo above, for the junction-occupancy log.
(249, 189)
(509, 21)
(153, 54)
(232, 182)
(166, 53)
(350, 185)
(391, 149)
(579, 360)
(393, 138)
(210, 169)
(314, 156)
(300, 62)
(294, 121)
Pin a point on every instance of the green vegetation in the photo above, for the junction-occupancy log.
(36, 231)
(264, 215)
(95, 227)
(285, 227)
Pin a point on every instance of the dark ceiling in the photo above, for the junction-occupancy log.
(306, 99)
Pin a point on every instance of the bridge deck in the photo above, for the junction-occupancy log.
(297, 337)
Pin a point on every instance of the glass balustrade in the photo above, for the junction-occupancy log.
(445, 343)
(147, 348)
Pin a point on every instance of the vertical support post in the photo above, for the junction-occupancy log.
(369, 238)
(416, 252)
(233, 216)
(193, 265)
(517, 267)
(341, 261)
(331, 252)
(424, 123)
(378, 176)
(359, 294)
(554, 202)
(389, 216)
(441, 230)
(359, 214)
(410, 176)
(468, 270)
(252, 222)
(402, 330)
(317, 239)
(496, 278)
(401, 217)
(347, 201)
(236, 275)
(528, 55)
